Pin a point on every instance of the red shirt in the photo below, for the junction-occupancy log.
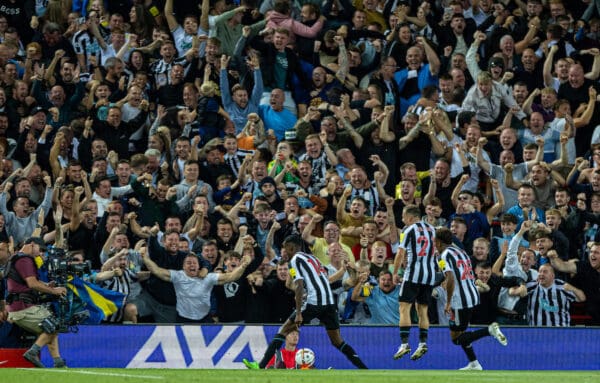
(26, 268)
(289, 359)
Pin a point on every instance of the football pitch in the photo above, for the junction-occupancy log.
(291, 376)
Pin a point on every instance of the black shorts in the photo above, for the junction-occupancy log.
(415, 292)
(327, 315)
(459, 319)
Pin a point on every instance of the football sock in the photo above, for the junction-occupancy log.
(423, 332)
(404, 332)
(470, 352)
(347, 350)
(469, 337)
(275, 345)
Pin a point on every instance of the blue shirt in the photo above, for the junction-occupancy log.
(278, 121)
(517, 211)
(384, 307)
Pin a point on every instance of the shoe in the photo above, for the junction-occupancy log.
(494, 330)
(472, 366)
(250, 365)
(60, 364)
(419, 352)
(34, 357)
(402, 350)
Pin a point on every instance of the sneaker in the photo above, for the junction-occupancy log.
(402, 350)
(494, 330)
(419, 352)
(472, 366)
(250, 365)
(34, 357)
(60, 364)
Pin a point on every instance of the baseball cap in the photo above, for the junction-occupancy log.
(36, 240)
(496, 62)
(36, 110)
(267, 180)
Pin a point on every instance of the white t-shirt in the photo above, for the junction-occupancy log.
(193, 294)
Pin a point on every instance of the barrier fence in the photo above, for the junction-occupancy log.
(218, 346)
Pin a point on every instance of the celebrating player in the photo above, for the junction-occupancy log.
(462, 296)
(419, 277)
(314, 299)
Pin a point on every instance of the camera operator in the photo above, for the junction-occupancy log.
(24, 307)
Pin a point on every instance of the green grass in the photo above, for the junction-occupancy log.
(291, 376)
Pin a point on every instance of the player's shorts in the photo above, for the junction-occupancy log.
(29, 319)
(459, 319)
(415, 292)
(327, 315)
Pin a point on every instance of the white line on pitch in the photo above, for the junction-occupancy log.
(71, 371)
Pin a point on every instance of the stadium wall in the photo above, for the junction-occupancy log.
(215, 346)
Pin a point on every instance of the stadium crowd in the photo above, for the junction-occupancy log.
(175, 145)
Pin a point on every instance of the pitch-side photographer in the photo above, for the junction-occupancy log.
(24, 306)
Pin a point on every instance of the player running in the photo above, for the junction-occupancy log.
(462, 296)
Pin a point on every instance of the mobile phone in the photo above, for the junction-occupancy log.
(448, 10)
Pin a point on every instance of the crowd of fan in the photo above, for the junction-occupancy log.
(159, 128)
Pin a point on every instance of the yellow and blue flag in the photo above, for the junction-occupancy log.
(101, 303)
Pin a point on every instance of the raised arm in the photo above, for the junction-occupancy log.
(205, 9)
(432, 57)
(270, 253)
(497, 267)
(158, 271)
(354, 135)
(482, 162)
(457, 189)
(341, 206)
(499, 205)
(385, 133)
(307, 232)
(526, 107)
(235, 274)
(331, 157)
(169, 15)
(569, 267)
(586, 117)
(579, 294)
(470, 58)
(548, 63)
(595, 72)
(508, 177)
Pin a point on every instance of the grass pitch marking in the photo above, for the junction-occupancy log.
(70, 371)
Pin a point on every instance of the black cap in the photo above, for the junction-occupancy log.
(406, 3)
(36, 110)
(36, 240)
(267, 180)
(496, 61)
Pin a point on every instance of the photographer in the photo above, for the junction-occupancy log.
(23, 300)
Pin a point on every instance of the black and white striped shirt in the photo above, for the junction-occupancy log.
(418, 242)
(458, 262)
(161, 70)
(308, 268)
(319, 166)
(549, 306)
(122, 284)
(234, 161)
(370, 194)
